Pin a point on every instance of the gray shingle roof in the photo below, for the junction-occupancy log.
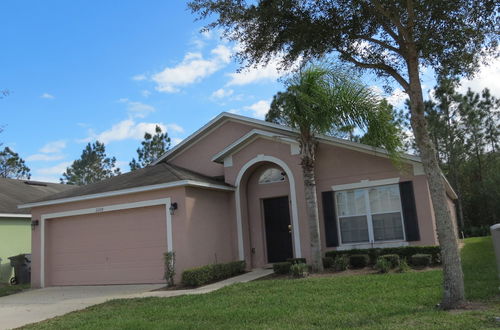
(15, 192)
(150, 175)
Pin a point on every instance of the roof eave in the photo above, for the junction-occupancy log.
(181, 183)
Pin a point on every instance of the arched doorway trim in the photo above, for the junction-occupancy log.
(293, 199)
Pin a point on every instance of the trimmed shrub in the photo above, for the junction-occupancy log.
(169, 258)
(359, 260)
(393, 259)
(421, 260)
(403, 252)
(328, 262)
(282, 268)
(341, 263)
(294, 261)
(404, 267)
(211, 273)
(383, 265)
(299, 270)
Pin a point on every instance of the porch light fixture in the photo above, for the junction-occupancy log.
(34, 223)
(172, 208)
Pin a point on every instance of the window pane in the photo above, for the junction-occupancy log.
(351, 202)
(354, 229)
(272, 175)
(384, 199)
(387, 226)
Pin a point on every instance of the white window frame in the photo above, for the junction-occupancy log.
(365, 186)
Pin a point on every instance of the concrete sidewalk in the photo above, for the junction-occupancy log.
(40, 304)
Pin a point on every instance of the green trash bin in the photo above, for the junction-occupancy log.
(22, 269)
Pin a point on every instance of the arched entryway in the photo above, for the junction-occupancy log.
(266, 210)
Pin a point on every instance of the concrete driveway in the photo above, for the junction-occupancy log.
(37, 305)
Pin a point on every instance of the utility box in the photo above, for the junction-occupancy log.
(495, 236)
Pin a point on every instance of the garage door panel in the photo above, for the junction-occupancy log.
(107, 248)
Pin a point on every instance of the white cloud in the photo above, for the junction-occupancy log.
(54, 170)
(126, 129)
(139, 77)
(259, 109)
(53, 147)
(145, 93)
(137, 109)
(174, 128)
(41, 178)
(397, 98)
(270, 72)
(487, 77)
(47, 96)
(221, 93)
(44, 157)
(192, 69)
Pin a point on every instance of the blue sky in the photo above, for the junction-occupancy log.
(85, 70)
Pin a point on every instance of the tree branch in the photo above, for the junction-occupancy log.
(380, 43)
(378, 66)
(394, 20)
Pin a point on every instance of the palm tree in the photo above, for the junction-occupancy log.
(318, 100)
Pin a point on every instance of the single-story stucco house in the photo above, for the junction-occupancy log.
(233, 190)
(15, 223)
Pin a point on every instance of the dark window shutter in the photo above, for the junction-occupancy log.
(409, 211)
(331, 235)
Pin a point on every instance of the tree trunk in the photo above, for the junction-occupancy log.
(308, 153)
(453, 283)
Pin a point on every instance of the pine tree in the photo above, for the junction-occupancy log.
(151, 149)
(12, 166)
(93, 166)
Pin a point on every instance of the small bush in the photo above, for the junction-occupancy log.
(393, 259)
(211, 273)
(403, 266)
(282, 268)
(421, 260)
(169, 259)
(299, 270)
(359, 260)
(328, 262)
(294, 261)
(341, 263)
(383, 265)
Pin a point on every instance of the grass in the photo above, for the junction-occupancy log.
(6, 289)
(389, 301)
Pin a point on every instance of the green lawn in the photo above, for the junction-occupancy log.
(6, 289)
(366, 301)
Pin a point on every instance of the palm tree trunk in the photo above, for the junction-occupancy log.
(308, 152)
(453, 283)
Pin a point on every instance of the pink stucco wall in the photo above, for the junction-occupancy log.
(203, 230)
(198, 156)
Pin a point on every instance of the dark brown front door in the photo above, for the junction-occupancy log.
(278, 229)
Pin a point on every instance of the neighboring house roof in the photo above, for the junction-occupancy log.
(14, 192)
(153, 177)
(225, 116)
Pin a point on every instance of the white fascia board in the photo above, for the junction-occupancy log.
(181, 183)
(14, 215)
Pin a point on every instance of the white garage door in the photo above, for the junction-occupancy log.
(119, 247)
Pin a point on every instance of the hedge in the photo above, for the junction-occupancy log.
(404, 252)
(421, 260)
(294, 261)
(211, 273)
(328, 262)
(392, 259)
(359, 260)
(282, 267)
